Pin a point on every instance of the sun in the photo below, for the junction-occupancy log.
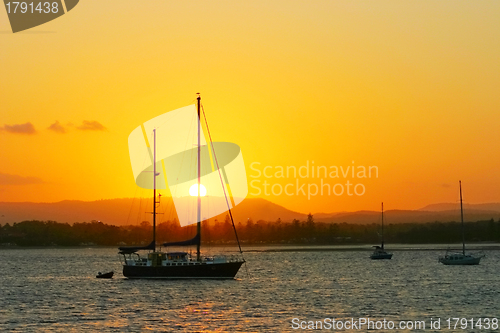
(193, 190)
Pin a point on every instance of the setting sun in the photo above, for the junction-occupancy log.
(193, 190)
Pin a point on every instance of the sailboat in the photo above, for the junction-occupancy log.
(180, 265)
(379, 251)
(460, 258)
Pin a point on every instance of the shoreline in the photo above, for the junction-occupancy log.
(303, 248)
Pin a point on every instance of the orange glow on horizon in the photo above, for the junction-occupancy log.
(409, 88)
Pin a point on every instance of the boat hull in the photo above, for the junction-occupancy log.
(469, 260)
(108, 275)
(226, 270)
(379, 256)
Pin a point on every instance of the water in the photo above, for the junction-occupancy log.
(56, 290)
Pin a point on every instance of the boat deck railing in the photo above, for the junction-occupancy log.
(185, 261)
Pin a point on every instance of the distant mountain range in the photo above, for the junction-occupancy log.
(456, 206)
(130, 211)
(133, 211)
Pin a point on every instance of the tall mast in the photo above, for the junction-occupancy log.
(154, 189)
(198, 226)
(462, 217)
(382, 225)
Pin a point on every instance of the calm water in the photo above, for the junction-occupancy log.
(56, 290)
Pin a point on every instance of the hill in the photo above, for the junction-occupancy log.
(409, 216)
(467, 207)
(128, 211)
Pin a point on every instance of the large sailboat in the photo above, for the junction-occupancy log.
(379, 251)
(460, 258)
(158, 264)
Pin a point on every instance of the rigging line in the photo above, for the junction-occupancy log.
(165, 207)
(171, 205)
(190, 136)
(132, 204)
(224, 189)
(137, 196)
(140, 215)
(220, 176)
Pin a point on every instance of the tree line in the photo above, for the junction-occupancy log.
(51, 233)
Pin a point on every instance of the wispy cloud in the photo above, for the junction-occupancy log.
(6, 179)
(57, 127)
(27, 128)
(445, 185)
(91, 125)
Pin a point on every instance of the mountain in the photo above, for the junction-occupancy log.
(114, 211)
(408, 216)
(456, 206)
(261, 209)
(130, 211)
(133, 211)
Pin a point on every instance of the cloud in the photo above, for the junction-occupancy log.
(27, 128)
(91, 126)
(57, 127)
(6, 179)
(445, 185)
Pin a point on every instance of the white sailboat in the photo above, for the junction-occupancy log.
(460, 258)
(379, 251)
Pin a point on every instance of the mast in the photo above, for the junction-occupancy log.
(382, 225)
(154, 189)
(198, 226)
(462, 217)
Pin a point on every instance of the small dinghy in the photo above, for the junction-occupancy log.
(108, 275)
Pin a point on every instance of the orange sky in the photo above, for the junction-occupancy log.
(409, 87)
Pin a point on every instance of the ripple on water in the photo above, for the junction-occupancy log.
(58, 292)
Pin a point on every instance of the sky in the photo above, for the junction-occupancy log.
(408, 88)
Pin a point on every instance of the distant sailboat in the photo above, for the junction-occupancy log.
(460, 258)
(180, 265)
(379, 252)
